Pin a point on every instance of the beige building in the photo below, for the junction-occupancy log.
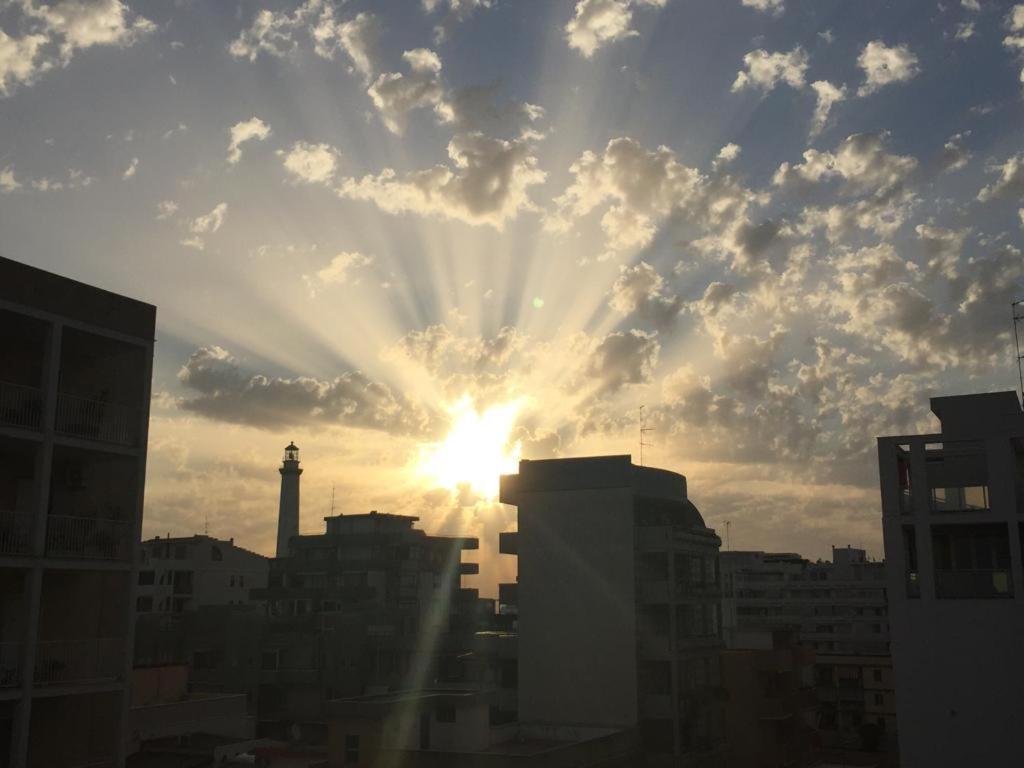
(75, 374)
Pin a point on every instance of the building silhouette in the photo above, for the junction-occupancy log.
(618, 598)
(75, 369)
(952, 505)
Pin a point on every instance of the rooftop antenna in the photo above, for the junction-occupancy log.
(727, 525)
(1017, 318)
(206, 524)
(644, 429)
(332, 499)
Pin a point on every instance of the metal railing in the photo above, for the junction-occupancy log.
(15, 533)
(79, 661)
(96, 420)
(10, 665)
(21, 406)
(94, 538)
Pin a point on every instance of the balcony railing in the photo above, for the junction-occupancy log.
(79, 661)
(10, 665)
(15, 533)
(96, 420)
(21, 406)
(973, 583)
(94, 538)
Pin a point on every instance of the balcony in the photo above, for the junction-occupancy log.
(91, 538)
(63, 662)
(96, 420)
(10, 665)
(15, 533)
(21, 406)
(962, 584)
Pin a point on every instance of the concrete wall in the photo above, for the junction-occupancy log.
(577, 625)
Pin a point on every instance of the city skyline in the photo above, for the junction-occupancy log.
(392, 235)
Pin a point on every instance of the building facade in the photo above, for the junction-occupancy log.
(75, 373)
(617, 604)
(185, 573)
(953, 521)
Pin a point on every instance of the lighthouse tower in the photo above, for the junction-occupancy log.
(288, 514)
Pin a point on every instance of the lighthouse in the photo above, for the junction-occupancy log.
(288, 513)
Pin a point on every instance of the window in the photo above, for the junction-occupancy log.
(972, 561)
(232, 580)
(180, 552)
(144, 604)
(215, 554)
(146, 578)
(445, 713)
(960, 499)
(351, 748)
(876, 674)
(879, 699)
(271, 660)
(241, 581)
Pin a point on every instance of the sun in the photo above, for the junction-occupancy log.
(477, 450)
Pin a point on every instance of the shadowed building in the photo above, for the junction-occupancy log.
(953, 519)
(618, 605)
(75, 368)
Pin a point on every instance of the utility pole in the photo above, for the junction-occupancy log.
(644, 429)
(1017, 318)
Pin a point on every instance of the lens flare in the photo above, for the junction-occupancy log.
(477, 449)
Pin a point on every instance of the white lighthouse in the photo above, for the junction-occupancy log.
(288, 514)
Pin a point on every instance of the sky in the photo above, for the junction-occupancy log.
(424, 238)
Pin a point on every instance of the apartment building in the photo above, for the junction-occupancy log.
(838, 610)
(184, 573)
(617, 604)
(953, 521)
(74, 408)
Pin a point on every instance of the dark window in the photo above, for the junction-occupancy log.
(144, 604)
(270, 659)
(351, 748)
(879, 699)
(446, 713)
(146, 578)
(216, 554)
(877, 674)
(180, 552)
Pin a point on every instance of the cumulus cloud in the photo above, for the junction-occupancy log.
(395, 94)
(598, 22)
(964, 31)
(942, 249)
(765, 70)
(9, 181)
(971, 5)
(274, 33)
(884, 66)
(206, 224)
(222, 390)
(621, 359)
(641, 290)
(954, 155)
(358, 38)
(827, 96)
(133, 167)
(487, 182)
(310, 163)
(774, 7)
(1014, 41)
(252, 129)
(338, 270)
(54, 33)
(860, 161)
(1010, 183)
(165, 209)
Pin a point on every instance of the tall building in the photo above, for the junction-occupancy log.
(75, 369)
(953, 521)
(618, 605)
(838, 610)
(184, 573)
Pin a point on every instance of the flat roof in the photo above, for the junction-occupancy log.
(38, 289)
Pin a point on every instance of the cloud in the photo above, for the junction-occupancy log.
(598, 22)
(338, 270)
(358, 38)
(964, 31)
(311, 163)
(860, 160)
(206, 224)
(54, 33)
(9, 181)
(971, 5)
(827, 96)
(621, 359)
(252, 129)
(1010, 183)
(395, 94)
(458, 11)
(765, 70)
(273, 33)
(130, 171)
(883, 66)
(487, 182)
(954, 155)
(225, 392)
(165, 209)
(774, 7)
(943, 248)
(476, 108)
(641, 290)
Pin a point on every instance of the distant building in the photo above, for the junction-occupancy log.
(185, 573)
(75, 370)
(953, 520)
(838, 609)
(617, 605)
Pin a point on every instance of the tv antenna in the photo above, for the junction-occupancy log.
(727, 525)
(644, 429)
(332, 499)
(206, 524)
(1017, 318)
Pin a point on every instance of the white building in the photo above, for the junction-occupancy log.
(75, 368)
(952, 505)
(185, 573)
(618, 604)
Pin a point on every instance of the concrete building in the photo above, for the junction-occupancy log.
(618, 598)
(185, 573)
(838, 609)
(75, 371)
(953, 520)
